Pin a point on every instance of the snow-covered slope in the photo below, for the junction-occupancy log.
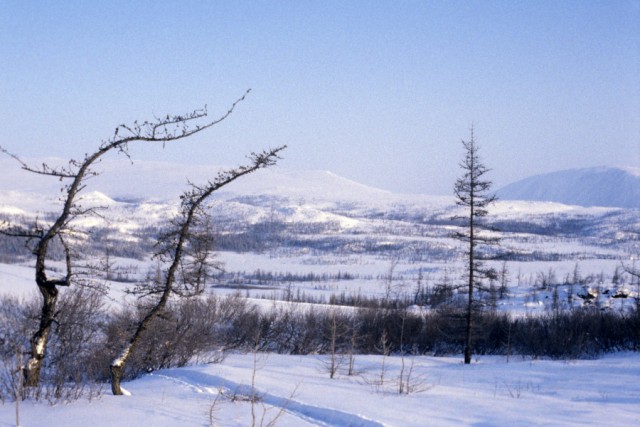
(122, 179)
(147, 194)
(600, 186)
(163, 182)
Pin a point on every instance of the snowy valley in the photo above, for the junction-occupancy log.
(311, 241)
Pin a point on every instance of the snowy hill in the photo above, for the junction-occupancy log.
(315, 213)
(600, 186)
(165, 181)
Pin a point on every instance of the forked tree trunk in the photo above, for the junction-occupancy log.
(49, 290)
(40, 339)
(163, 130)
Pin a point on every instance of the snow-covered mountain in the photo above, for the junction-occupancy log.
(289, 210)
(165, 181)
(599, 186)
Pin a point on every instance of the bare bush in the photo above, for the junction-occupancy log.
(75, 341)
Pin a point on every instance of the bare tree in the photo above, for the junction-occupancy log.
(40, 238)
(503, 278)
(173, 249)
(334, 331)
(634, 272)
(389, 280)
(472, 193)
(196, 269)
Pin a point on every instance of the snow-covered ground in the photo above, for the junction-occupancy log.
(490, 392)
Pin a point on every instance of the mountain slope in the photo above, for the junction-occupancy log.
(600, 186)
(164, 182)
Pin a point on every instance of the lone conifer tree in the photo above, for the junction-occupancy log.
(472, 193)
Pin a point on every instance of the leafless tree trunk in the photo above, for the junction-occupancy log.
(174, 246)
(166, 129)
(353, 342)
(199, 268)
(503, 277)
(471, 192)
(402, 386)
(634, 272)
(334, 332)
(389, 280)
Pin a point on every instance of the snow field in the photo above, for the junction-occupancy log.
(490, 392)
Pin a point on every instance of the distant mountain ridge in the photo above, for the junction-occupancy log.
(164, 182)
(309, 213)
(597, 186)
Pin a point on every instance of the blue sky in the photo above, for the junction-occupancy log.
(380, 92)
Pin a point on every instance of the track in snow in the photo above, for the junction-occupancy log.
(327, 417)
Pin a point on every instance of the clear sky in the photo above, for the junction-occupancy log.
(380, 92)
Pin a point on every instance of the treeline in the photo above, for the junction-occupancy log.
(343, 299)
(89, 335)
(290, 239)
(263, 277)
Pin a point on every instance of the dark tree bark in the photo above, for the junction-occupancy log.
(472, 192)
(167, 129)
(173, 249)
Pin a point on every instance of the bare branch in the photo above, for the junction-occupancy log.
(174, 250)
(67, 258)
(169, 128)
(19, 231)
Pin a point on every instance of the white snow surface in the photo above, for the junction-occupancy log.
(490, 392)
